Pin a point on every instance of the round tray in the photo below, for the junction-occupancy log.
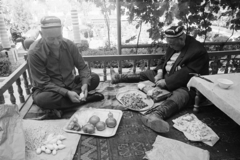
(145, 99)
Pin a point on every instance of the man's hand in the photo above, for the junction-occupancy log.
(84, 91)
(73, 96)
(161, 83)
(158, 76)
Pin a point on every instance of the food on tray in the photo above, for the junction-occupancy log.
(89, 128)
(100, 126)
(111, 121)
(94, 120)
(158, 94)
(74, 119)
(133, 101)
(73, 125)
(76, 127)
(100, 129)
(110, 115)
(141, 86)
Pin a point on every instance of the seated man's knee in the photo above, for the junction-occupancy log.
(47, 100)
(181, 97)
(95, 80)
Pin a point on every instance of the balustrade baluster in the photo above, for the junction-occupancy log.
(26, 84)
(20, 91)
(134, 66)
(237, 66)
(228, 63)
(89, 66)
(12, 97)
(119, 67)
(215, 65)
(104, 71)
(221, 47)
(2, 100)
(28, 71)
(148, 64)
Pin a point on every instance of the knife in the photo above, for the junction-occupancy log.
(198, 75)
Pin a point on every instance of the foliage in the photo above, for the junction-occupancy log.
(197, 16)
(21, 17)
(106, 9)
(5, 66)
(83, 46)
(218, 38)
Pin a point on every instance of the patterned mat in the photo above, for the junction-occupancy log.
(129, 143)
(133, 139)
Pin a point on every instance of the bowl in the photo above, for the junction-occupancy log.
(224, 83)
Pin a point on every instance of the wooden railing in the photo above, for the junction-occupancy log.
(119, 58)
(15, 77)
(20, 77)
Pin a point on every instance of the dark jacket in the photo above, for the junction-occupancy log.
(192, 59)
(53, 74)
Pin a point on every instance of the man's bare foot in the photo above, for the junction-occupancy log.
(155, 123)
(115, 77)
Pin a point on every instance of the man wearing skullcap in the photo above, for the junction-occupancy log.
(52, 60)
(184, 55)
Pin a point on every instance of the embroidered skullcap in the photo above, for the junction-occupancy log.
(50, 22)
(174, 31)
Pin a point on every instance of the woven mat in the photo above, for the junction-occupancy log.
(129, 143)
(133, 139)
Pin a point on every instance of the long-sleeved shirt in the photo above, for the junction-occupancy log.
(55, 74)
(171, 61)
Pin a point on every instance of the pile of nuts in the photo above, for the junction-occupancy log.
(52, 144)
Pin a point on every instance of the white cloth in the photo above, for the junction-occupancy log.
(169, 149)
(225, 99)
(171, 62)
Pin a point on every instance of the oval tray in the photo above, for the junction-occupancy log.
(145, 99)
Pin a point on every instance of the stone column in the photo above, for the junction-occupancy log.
(75, 24)
(3, 34)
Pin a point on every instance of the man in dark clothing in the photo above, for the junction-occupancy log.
(52, 60)
(185, 55)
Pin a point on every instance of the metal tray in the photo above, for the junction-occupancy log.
(145, 99)
(84, 115)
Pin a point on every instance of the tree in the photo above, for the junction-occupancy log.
(197, 16)
(21, 17)
(106, 9)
